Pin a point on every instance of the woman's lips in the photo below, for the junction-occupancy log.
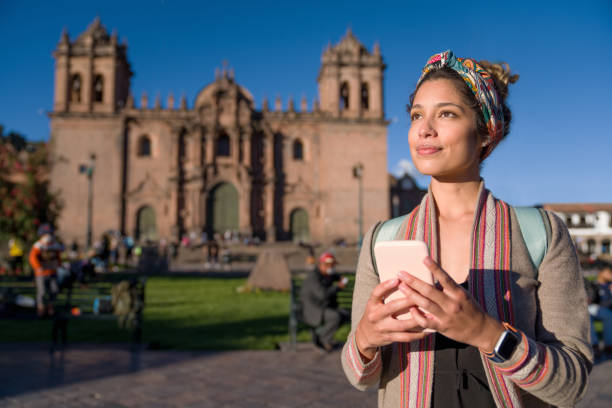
(427, 150)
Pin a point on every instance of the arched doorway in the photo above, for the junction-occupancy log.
(222, 209)
(299, 226)
(146, 226)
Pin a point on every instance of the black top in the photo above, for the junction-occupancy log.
(459, 379)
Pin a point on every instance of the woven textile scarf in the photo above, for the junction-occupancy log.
(482, 86)
(488, 282)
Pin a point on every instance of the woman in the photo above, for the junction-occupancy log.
(508, 334)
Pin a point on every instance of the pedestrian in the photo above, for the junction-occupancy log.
(507, 333)
(73, 253)
(600, 307)
(45, 258)
(114, 249)
(15, 256)
(319, 297)
(128, 243)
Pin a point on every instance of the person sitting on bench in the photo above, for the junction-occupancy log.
(319, 301)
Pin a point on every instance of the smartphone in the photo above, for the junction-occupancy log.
(406, 255)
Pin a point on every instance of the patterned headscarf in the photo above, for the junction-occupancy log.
(481, 84)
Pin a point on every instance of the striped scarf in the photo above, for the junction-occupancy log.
(488, 282)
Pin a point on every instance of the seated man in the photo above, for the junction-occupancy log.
(600, 304)
(319, 301)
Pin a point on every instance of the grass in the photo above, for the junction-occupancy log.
(187, 313)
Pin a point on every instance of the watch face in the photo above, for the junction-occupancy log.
(508, 345)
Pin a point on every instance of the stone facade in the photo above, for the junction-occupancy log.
(164, 171)
(589, 225)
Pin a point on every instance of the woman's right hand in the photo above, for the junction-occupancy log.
(378, 325)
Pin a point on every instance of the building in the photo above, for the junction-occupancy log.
(590, 226)
(405, 194)
(220, 164)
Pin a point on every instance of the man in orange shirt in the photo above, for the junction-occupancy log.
(45, 259)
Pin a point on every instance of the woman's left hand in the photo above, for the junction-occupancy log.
(450, 310)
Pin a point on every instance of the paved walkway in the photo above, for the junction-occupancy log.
(113, 377)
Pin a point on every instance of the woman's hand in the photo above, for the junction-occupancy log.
(450, 310)
(378, 325)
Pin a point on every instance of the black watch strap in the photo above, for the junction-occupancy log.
(505, 346)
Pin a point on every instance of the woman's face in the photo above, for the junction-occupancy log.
(442, 136)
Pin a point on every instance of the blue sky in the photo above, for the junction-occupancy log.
(560, 146)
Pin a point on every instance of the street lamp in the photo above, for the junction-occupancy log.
(88, 169)
(358, 174)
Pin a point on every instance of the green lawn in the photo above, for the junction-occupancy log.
(187, 313)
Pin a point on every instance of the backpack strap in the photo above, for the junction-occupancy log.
(536, 231)
(384, 231)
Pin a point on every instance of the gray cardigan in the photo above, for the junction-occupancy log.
(551, 310)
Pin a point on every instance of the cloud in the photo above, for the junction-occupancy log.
(405, 166)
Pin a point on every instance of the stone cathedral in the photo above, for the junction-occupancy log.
(160, 171)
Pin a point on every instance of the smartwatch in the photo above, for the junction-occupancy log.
(505, 346)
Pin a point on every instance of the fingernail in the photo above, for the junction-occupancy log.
(402, 274)
(392, 282)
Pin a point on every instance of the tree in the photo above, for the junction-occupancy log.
(26, 200)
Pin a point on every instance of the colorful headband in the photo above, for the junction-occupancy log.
(481, 84)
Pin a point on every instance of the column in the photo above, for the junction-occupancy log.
(269, 188)
(354, 91)
(210, 146)
(62, 83)
(88, 83)
(246, 149)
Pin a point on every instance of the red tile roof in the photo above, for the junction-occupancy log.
(578, 207)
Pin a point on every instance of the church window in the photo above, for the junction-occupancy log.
(298, 150)
(98, 88)
(365, 96)
(75, 88)
(144, 146)
(223, 145)
(344, 96)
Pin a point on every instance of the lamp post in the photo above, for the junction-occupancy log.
(358, 174)
(88, 170)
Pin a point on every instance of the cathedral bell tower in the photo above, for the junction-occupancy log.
(92, 73)
(351, 80)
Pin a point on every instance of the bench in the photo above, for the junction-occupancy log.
(74, 302)
(345, 300)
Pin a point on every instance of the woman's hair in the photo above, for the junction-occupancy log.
(502, 77)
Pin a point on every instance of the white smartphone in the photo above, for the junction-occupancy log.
(395, 256)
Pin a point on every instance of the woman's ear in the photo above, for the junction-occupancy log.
(484, 141)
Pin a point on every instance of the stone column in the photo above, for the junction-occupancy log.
(376, 95)
(244, 207)
(269, 188)
(354, 82)
(235, 145)
(210, 146)
(88, 83)
(246, 148)
(62, 83)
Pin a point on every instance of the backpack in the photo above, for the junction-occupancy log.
(534, 224)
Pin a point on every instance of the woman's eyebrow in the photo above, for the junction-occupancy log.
(438, 105)
(417, 106)
(442, 104)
